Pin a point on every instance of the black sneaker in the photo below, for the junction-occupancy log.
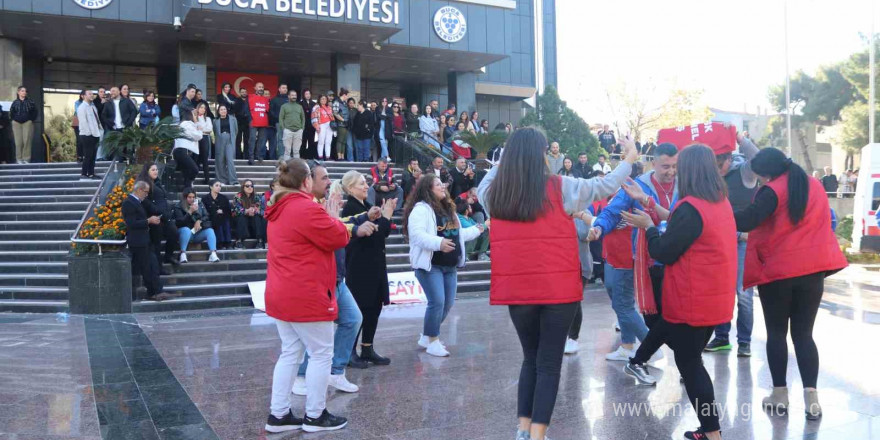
(744, 350)
(697, 434)
(327, 422)
(284, 424)
(640, 373)
(718, 345)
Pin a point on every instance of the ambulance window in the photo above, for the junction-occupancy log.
(875, 202)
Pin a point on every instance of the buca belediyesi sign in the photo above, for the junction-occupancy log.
(92, 4)
(449, 24)
(376, 11)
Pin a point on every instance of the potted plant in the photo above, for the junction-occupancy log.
(482, 142)
(142, 145)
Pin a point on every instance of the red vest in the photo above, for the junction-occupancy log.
(778, 249)
(536, 262)
(617, 248)
(699, 288)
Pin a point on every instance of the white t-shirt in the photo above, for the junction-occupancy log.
(605, 168)
(117, 122)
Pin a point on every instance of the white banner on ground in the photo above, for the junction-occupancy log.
(405, 288)
(258, 294)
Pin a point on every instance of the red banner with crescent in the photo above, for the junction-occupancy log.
(247, 80)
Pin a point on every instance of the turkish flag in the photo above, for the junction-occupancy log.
(715, 135)
(247, 80)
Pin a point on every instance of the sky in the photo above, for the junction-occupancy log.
(733, 51)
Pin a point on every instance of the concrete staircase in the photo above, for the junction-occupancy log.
(40, 207)
(224, 284)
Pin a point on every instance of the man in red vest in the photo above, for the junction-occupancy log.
(259, 106)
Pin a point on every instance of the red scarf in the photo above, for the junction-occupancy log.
(641, 276)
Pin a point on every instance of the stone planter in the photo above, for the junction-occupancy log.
(99, 284)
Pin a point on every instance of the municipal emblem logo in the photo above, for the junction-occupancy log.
(93, 4)
(449, 24)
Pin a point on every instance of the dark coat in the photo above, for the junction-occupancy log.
(362, 125)
(366, 273)
(212, 205)
(309, 129)
(126, 107)
(460, 182)
(137, 230)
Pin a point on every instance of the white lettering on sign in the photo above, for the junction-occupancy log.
(695, 131)
(375, 11)
(707, 127)
(93, 4)
(450, 24)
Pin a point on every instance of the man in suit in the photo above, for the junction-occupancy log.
(137, 236)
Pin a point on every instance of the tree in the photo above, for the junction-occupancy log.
(854, 133)
(562, 124)
(683, 107)
(647, 110)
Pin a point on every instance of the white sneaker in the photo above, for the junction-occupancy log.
(213, 258)
(299, 386)
(621, 354)
(437, 349)
(424, 341)
(339, 382)
(571, 346)
(183, 258)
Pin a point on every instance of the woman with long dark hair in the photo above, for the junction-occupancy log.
(366, 272)
(149, 110)
(791, 249)
(220, 210)
(436, 251)
(158, 202)
(225, 131)
(249, 208)
(531, 215)
(698, 251)
(322, 115)
(203, 121)
(187, 146)
(567, 167)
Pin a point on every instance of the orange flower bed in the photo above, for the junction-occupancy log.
(107, 222)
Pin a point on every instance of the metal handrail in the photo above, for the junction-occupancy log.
(90, 211)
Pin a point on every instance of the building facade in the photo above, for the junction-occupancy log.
(484, 55)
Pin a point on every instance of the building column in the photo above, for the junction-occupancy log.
(463, 90)
(192, 65)
(345, 69)
(11, 68)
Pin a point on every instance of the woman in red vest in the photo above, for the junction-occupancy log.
(698, 250)
(531, 215)
(791, 250)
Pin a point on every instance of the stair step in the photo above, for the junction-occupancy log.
(40, 178)
(193, 303)
(36, 215)
(36, 245)
(24, 237)
(59, 191)
(29, 267)
(82, 198)
(37, 225)
(33, 306)
(34, 256)
(31, 281)
(50, 171)
(48, 206)
(43, 166)
(473, 286)
(50, 184)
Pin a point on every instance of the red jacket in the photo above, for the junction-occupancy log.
(259, 110)
(536, 262)
(699, 288)
(301, 273)
(778, 249)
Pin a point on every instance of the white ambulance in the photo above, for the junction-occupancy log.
(866, 230)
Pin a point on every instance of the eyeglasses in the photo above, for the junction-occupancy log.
(248, 186)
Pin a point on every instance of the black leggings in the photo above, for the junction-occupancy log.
(204, 155)
(542, 330)
(795, 300)
(186, 165)
(688, 342)
(657, 333)
(370, 323)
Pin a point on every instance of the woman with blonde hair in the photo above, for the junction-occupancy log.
(366, 273)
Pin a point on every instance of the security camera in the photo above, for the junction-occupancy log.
(49, 60)
(376, 45)
(177, 24)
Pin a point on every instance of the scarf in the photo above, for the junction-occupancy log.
(641, 275)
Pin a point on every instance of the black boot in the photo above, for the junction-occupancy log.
(355, 361)
(369, 355)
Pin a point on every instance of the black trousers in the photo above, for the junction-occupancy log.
(542, 330)
(89, 151)
(656, 336)
(186, 165)
(242, 137)
(145, 264)
(794, 302)
(688, 342)
(168, 231)
(79, 147)
(575, 330)
(370, 323)
(309, 149)
(204, 155)
(250, 227)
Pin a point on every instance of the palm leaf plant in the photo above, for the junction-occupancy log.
(142, 145)
(482, 142)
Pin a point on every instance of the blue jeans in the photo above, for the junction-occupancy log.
(439, 285)
(363, 149)
(348, 323)
(206, 234)
(349, 147)
(382, 141)
(745, 317)
(619, 284)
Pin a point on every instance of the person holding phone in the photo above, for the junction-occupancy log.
(436, 251)
(194, 224)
